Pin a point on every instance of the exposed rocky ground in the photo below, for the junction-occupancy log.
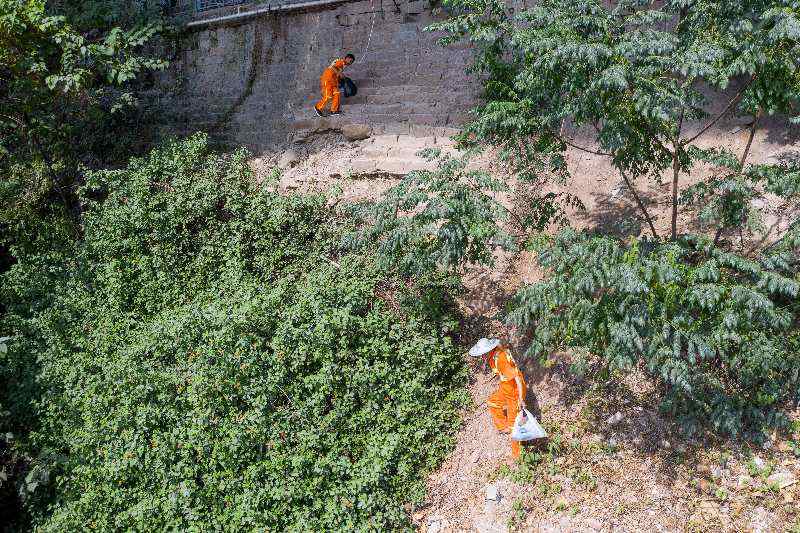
(612, 462)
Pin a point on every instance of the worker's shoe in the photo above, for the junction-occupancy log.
(336, 113)
(318, 112)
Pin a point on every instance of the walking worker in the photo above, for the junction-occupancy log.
(509, 398)
(329, 84)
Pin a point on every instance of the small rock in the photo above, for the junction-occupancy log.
(704, 486)
(767, 445)
(666, 444)
(288, 159)
(744, 481)
(782, 479)
(597, 439)
(356, 132)
(615, 419)
(617, 191)
(476, 456)
(440, 524)
(594, 524)
(612, 443)
(300, 137)
(492, 493)
(760, 520)
(788, 497)
(759, 463)
(681, 448)
(716, 472)
(708, 511)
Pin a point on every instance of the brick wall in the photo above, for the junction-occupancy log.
(252, 82)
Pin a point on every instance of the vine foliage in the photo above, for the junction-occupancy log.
(198, 361)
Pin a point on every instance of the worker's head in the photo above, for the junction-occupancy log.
(349, 59)
(484, 348)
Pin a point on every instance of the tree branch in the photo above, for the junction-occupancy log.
(570, 143)
(716, 119)
(676, 168)
(641, 205)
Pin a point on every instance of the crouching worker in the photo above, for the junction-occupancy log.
(329, 84)
(509, 398)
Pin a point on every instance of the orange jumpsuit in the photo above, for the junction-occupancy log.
(504, 402)
(329, 84)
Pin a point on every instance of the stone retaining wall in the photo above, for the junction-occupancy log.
(253, 82)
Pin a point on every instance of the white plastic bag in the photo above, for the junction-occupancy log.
(526, 427)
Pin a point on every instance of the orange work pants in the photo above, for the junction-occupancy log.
(329, 84)
(504, 407)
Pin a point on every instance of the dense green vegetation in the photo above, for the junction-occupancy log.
(196, 361)
(183, 348)
(71, 74)
(717, 331)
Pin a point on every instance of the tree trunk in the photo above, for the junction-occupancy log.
(639, 202)
(750, 139)
(718, 234)
(675, 172)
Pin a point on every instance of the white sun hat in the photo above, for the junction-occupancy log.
(483, 346)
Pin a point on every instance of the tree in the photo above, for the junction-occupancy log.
(716, 329)
(717, 332)
(434, 220)
(66, 84)
(449, 218)
(641, 76)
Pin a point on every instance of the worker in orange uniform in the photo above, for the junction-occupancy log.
(509, 398)
(329, 83)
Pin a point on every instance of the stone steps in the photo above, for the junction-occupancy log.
(395, 154)
(407, 101)
(414, 125)
(408, 109)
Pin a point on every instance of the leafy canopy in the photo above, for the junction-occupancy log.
(434, 220)
(717, 331)
(640, 82)
(67, 101)
(639, 78)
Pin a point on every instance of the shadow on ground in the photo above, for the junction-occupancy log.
(618, 215)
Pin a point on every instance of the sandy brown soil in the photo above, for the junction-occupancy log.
(636, 472)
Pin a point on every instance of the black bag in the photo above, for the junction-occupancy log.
(347, 87)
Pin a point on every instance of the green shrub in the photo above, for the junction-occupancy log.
(716, 330)
(200, 364)
(434, 220)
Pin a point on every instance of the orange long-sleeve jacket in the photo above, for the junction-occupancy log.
(503, 364)
(334, 70)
